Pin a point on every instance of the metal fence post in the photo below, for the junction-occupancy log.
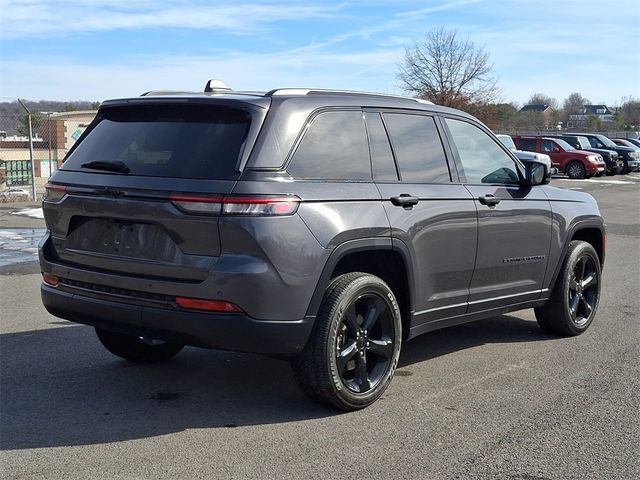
(33, 166)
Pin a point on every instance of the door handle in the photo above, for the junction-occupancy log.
(405, 200)
(489, 200)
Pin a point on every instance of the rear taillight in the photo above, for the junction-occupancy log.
(237, 205)
(208, 305)
(197, 203)
(262, 206)
(54, 193)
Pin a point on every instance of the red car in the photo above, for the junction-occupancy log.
(574, 163)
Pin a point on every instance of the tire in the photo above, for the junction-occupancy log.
(575, 170)
(355, 344)
(574, 299)
(625, 168)
(137, 349)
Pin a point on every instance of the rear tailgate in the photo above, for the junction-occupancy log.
(126, 219)
(132, 230)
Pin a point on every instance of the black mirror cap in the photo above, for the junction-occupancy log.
(537, 173)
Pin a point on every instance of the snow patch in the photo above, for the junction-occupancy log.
(30, 212)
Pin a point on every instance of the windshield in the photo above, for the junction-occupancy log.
(583, 142)
(164, 140)
(606, 141)
(507, 141)
(564, 144)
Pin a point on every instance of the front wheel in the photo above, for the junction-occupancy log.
(354, 348)
(137, 349)
(574, 299)
(625, 168)
(576, 170)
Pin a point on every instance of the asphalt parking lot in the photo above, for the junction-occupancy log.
(491, 399)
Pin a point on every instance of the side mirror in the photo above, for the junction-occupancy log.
(536, 173)
(556, 149)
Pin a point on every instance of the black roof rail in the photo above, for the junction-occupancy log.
(315, 91)
(152, 93)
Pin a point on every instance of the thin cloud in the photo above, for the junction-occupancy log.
(29, 18)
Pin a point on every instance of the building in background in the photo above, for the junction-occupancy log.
(589, 116)
(54, 135)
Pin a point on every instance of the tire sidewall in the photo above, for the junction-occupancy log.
(360, 286)
(578, 252)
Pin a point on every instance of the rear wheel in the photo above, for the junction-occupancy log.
(354, 348)
(137, 349)
(576, 294)
(576, 169)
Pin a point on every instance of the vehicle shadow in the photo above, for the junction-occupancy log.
(59, 387)
(501, 329)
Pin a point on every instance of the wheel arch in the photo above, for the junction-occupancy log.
(386, 258)
(590, 231)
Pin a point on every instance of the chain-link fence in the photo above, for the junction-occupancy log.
(32, 146)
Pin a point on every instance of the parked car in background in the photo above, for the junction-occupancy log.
(14, 194)
(328, 227)
(630, 157)
(525, 156)
(635, 141)
(574, 163)
(610, 157)
(625, 142)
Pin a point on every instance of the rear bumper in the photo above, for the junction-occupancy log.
(210, 330)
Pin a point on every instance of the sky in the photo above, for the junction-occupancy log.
(99, 49)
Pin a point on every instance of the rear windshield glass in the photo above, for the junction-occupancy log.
(167, 140)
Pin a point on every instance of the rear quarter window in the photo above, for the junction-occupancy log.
(166, 140)
(334, 147)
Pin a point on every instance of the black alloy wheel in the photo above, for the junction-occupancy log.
(353, 350)
(573, 301)
(364, 345)
(583, 290)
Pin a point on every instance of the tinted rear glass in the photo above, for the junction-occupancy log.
(418, 148)
(334, 147)
(167, 140)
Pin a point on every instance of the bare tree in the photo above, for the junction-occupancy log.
(448, 70)
(628, 112)
(574, 103)
(543, 99)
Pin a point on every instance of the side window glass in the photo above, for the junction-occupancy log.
(418, 148)
(528, 144)
(334, 147)
(482, 159)
(547, 146)
(384, 167)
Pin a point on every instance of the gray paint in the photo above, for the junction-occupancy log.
(465, 260)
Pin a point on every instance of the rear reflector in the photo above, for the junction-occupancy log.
(208, 305)
(50, 279)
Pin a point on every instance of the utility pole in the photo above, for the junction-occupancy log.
(49, 142)
(33, 166)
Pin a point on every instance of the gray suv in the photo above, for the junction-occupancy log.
(326, 227)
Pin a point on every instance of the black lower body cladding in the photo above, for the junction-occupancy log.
(210, 330)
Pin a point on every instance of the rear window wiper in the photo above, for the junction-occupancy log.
(116, 166)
